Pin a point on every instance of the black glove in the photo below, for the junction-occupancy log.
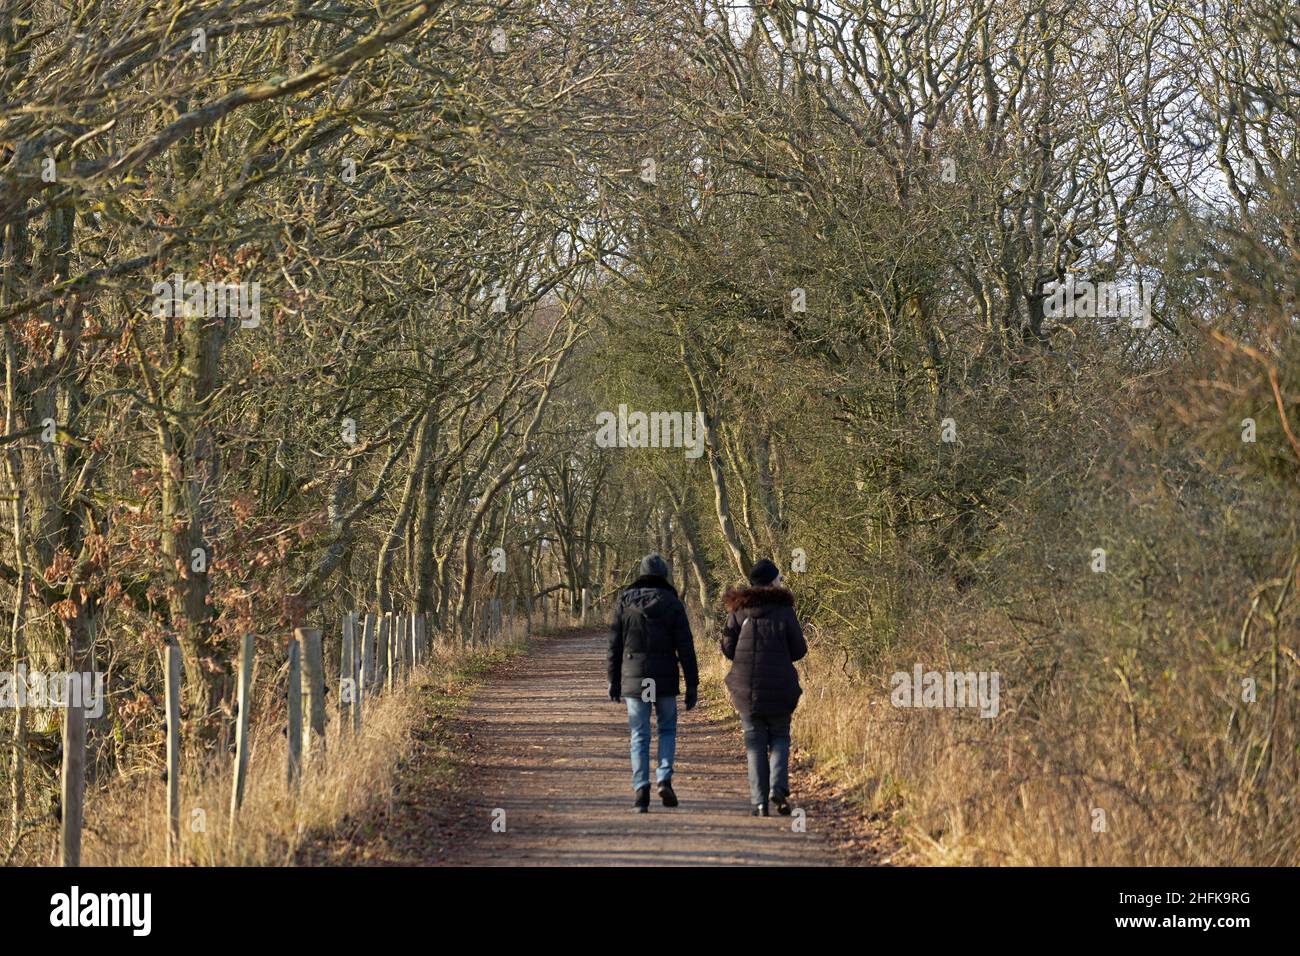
(692, 695)
(614, 693)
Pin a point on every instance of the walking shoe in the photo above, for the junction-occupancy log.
(642, 804)
(782, 804)
(760, 810)
(666, 794)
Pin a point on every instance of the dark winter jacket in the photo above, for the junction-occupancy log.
(649, 638)
(763, 639)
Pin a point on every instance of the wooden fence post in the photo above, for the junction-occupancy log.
(394, 648)
(243, 692)
(358, 636)
(73, 792)
(313, 665)
(295, 711)
(403, 649)
(381, 653)
(395, 651)
(584, 606)
(412, 644)
(368, 640)
(172, 697)
(347, 682)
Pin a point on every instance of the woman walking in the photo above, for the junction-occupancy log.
(762, 638)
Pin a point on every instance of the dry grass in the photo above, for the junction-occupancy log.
(1149, 729)
(1025, 788)
(126, 819)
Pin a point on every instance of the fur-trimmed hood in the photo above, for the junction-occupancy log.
(744, 596)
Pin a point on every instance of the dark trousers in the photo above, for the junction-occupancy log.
(767, 748)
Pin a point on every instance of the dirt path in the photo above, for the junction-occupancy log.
(550, 750)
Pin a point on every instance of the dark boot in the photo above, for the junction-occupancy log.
(666, 794)
(782, 804)
(760, 810)
(642, 804)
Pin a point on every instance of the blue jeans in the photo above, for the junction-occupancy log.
(767, 750)
(638, 721)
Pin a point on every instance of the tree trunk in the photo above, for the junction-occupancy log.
(721, 502)
(189, 475)
(397, 531)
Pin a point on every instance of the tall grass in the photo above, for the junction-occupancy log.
(1174, 765)
(1150, 713)
(126, 817)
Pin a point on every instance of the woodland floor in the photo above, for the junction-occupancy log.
(540, 740)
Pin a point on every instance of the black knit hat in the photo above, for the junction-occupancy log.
(763, 573)
(653, 565)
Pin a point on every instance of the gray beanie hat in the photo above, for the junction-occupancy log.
(653, 564)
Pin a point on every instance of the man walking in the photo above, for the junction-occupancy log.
(649, 637)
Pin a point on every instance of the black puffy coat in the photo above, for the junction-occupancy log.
(762, 638)
(649, 637)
